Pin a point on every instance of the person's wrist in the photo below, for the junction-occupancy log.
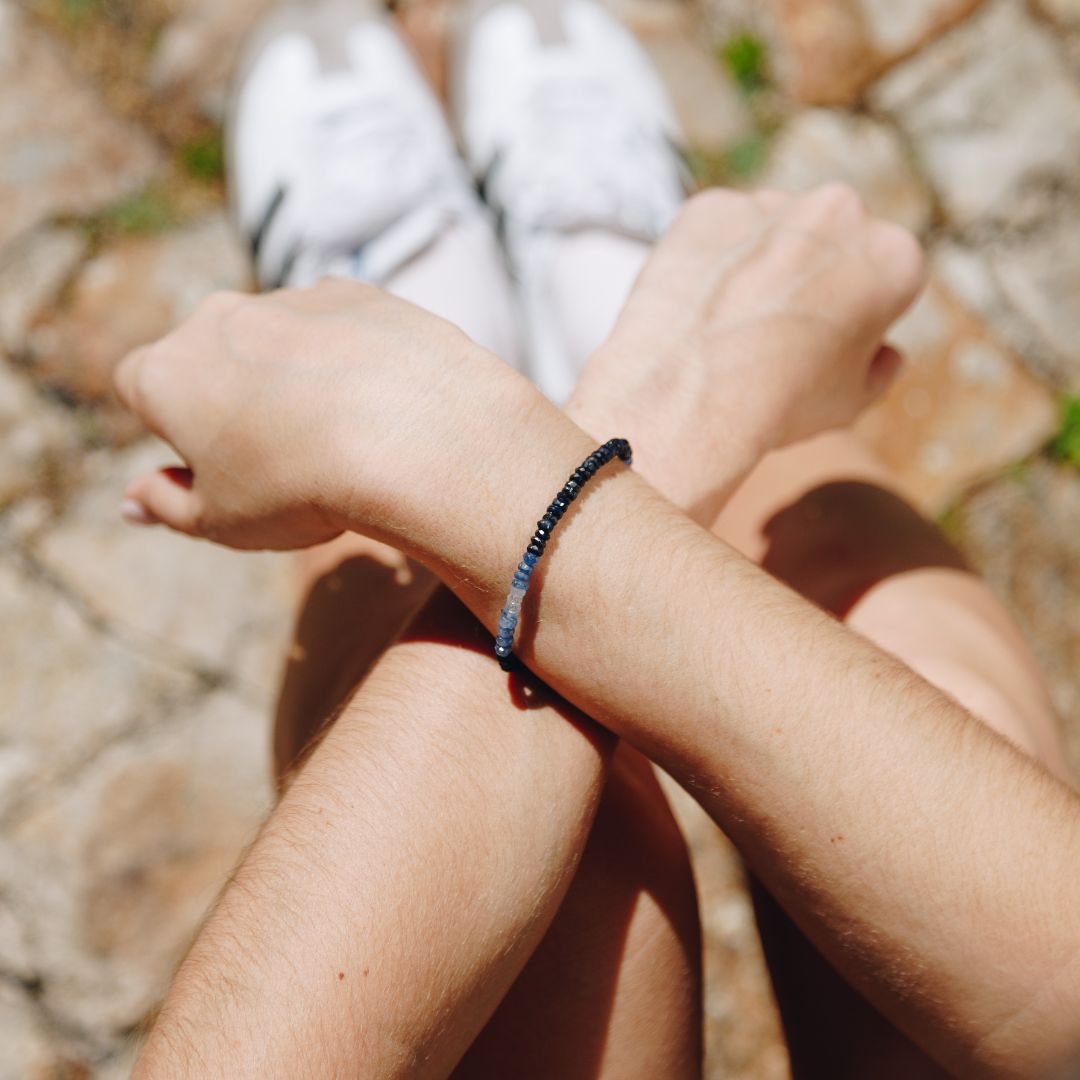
(456, 503)
(690, 441)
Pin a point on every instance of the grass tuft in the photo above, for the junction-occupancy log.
(1065, 446)
(145, 213)
(75, 12)
(747, 156)
(746, 58)
(203, 158)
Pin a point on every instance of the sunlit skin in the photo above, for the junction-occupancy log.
(426, 848)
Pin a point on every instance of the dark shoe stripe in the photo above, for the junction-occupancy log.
(259, 234)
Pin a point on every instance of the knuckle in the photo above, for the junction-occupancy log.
(903, 252)
(710, 201)
(244, 315)
(837, 197)
(217, 307)
(221, 301)
(140, 375)
(772, 197)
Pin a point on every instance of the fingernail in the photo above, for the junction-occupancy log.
(135, 513)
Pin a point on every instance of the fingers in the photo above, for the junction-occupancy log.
(165, 497)
(147, 379)
(901, 260)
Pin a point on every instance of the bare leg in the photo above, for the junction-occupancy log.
(825, 517)
(355, 597)
(614, 990)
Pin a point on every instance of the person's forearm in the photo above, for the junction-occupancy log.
(814, 750)
(401, 884)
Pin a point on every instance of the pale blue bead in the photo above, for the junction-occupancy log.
(525, 568)
(508, 622)
(516, 588)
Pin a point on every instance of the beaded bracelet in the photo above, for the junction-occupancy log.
(511, 612)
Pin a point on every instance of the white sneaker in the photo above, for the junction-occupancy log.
(340, 160)
(567, 126)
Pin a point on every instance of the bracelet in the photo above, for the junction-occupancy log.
(511, 612)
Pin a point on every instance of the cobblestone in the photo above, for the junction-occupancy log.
(964, 408)
(993, 114)
(833, 49)
(71, 157)
(34, 435)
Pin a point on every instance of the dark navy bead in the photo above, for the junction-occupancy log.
(547, 522)
(570, 490)
(502, 651)
(561, 503)
(591, 465)
(535, 548)
(542, 532)
(554, 512)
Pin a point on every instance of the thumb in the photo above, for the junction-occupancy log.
(164, 497)
(882, 373)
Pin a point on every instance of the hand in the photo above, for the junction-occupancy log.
(305, 412)
(758, 320)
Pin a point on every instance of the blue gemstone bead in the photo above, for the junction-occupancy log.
(502, 650)
(507, 622)
(525, 568)
(530, 558)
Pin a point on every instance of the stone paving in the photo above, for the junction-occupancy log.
(137, 670)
